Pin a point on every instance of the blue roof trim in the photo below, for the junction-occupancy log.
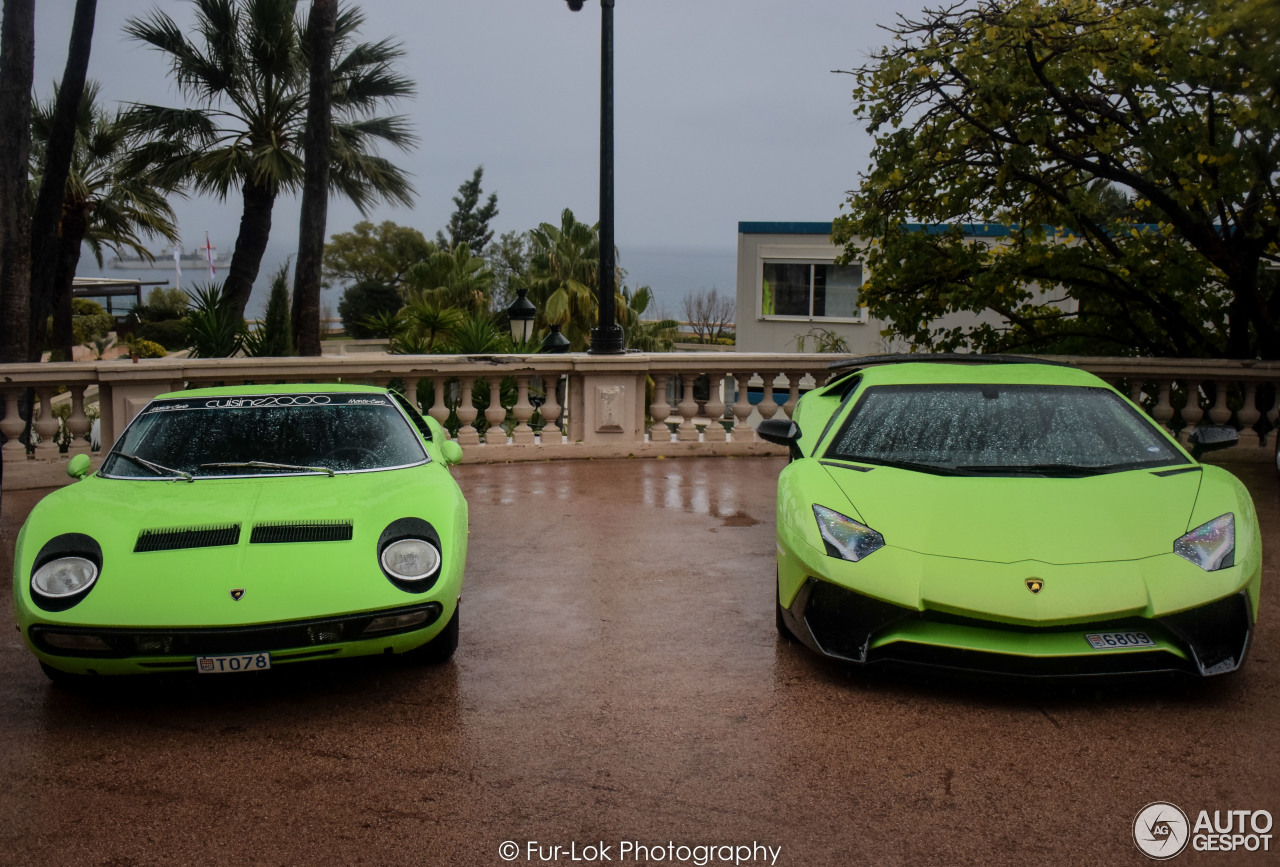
(784, 228)
(972, 230)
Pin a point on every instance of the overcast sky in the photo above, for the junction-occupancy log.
(726, 110)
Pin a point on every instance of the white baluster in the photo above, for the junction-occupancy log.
(1249, 416)
(688, 408)
(467, 413)
(659, 410)
(550, 410)
(523, 410)
(11, 426)
(46, 425)
(715, 432)
(496, 414)
(742, 430)
(78, 423)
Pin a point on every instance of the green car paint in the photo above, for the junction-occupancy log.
(305, 578)
(962, 549)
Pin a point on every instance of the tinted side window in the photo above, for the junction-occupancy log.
(416, 417)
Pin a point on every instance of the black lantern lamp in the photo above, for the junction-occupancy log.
(521, 314)
(555, 341)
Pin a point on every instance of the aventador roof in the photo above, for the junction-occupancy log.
(925, 369)
(938, 358)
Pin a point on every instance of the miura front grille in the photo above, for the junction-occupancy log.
(300, 531)
(178, 538)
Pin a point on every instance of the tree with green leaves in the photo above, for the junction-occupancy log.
(59, 148)
(451, 278)
(321, 23)
(1130, 147)
(273, 338)
(247, 75)
(17, 68)
(645, 335)
(508, 259)
(371, 254)
(103, 206)
(469, 223)
(564, 273)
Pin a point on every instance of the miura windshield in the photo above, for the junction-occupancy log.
(264, 435)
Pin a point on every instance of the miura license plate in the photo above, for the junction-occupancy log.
(1119, 640)
(233, 664)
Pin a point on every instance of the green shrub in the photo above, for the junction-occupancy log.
(144, 348)
(85, 329)
(362, 301)
(169, 333)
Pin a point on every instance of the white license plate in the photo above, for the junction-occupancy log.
(233, 664)
(1119, 640)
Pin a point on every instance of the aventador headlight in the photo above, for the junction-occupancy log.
(1210, 546)
(411, 559)
(63, 577)
(845, 537)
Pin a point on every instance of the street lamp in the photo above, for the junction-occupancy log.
(606, 337)
(521, 314)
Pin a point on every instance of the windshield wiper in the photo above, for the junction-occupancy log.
(158, 469)
(1041, 469)
(263, 465)
(936, 469)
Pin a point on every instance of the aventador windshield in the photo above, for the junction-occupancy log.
(998, 429)
(265, 435)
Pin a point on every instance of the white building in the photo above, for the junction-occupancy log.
(790, 287)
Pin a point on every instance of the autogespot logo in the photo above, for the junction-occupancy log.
(1160, 830)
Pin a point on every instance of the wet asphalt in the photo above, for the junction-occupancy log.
(619, 682)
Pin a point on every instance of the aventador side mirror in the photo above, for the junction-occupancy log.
(779, 431)
(1209, 438)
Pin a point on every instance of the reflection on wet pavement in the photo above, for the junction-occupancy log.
(619, 679)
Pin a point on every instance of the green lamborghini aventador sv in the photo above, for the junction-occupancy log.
(238, 529)
(1001, 515)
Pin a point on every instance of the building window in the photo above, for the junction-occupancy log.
(811, 290)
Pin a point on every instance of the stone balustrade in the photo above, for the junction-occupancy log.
(533, 407)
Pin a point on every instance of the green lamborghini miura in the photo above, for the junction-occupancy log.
(1000, 515)
(238, 529)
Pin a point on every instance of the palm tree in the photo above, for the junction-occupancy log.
(645, 336)
(103, 205)
(249, 79)
(451, 278)
(564, 268)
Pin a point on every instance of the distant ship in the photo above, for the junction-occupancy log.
(164, 261)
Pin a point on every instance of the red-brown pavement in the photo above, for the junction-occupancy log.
(619, 682)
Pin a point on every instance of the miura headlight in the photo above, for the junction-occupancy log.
(411, 559)
(1211, 546)
(844, 537)
(64, 577)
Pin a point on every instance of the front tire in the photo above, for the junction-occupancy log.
(439, 649)
(783, 631)
(65, 680)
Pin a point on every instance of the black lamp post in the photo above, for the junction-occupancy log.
(521, 314)
(606, 337)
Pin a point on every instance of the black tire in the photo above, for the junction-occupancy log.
(783, 631)
(439, 649)
(66, 680)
